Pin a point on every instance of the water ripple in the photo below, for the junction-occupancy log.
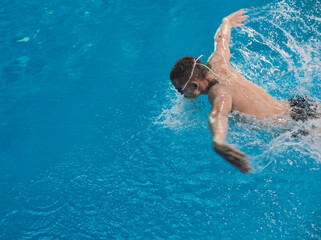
(28, 221)
(46, 236)
(42, 197)
(7, 197)
(84, 195)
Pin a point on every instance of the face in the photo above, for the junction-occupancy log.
(191, 90)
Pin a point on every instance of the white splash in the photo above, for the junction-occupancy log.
(182, 113)
(280, 50)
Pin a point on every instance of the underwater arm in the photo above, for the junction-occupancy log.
(218, 124)
(223, 35)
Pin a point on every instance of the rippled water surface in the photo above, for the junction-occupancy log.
(96, 144)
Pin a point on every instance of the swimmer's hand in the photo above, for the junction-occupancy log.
(233, 156)
(236, 19)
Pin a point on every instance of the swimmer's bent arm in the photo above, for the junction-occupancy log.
(218, 124)
(223, 35)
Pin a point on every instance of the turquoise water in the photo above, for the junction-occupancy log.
(96, 143)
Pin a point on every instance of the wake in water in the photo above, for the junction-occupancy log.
(281, 47)
(278, 49)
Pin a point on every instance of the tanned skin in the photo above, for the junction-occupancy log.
(231, 91)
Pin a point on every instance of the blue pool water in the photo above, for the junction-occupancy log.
(96, 144)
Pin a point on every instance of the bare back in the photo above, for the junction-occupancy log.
(247, 97)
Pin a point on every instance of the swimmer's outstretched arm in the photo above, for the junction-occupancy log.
(218, 124)
(223, 35)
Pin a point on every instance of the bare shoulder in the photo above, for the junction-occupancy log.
(217, 59)
(219, 91)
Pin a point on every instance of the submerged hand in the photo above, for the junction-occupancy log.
(236, 19)
(232, 155)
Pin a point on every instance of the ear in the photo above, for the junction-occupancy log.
(195, 84)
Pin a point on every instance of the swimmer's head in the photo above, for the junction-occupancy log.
(187, 76)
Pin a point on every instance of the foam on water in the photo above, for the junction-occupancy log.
(182, 114)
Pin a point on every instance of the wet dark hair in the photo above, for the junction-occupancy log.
(183, 68)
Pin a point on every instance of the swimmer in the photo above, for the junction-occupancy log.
(228, 90)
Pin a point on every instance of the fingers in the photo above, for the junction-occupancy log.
(243, 18)
(238, 13)
(231, 149)
(239, 160)
(235, 157)
(241, 11)
(241, 163)
(237, 18)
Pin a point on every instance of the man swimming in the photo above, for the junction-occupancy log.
(227, 89)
